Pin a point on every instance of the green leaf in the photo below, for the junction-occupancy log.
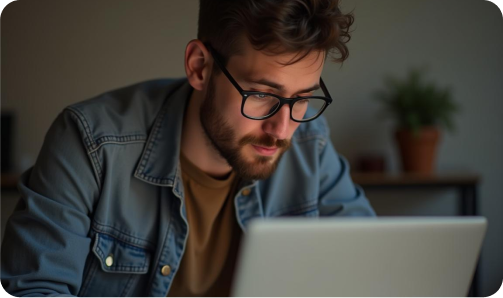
(414, 103)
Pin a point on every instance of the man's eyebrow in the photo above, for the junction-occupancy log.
(280, 87)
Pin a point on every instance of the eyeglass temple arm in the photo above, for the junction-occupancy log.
(216, 57)
(324, 88)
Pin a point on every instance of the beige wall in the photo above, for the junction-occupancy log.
(55, 53)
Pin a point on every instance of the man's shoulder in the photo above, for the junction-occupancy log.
(125, 111)
(317, 128)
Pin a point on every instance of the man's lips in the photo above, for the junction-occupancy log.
(265, 150)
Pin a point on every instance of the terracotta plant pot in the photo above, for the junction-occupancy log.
(418, 151)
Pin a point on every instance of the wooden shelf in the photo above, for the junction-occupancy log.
(440, 179)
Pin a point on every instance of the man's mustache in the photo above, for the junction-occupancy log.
(264, 141)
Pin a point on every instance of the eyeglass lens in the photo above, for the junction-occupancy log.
(262, 105)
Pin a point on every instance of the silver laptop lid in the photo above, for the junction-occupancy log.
(395, 256)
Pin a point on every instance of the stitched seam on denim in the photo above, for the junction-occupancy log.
(95, 159)
(158, 257)
(135, 241)
(150, 141)
(89, 140)
(100, 254)
(174, 210)
(123, 268)
(116, 143)
(77, 116)
(126, 138)
(96, 166)
(127, 269)
(157, 181)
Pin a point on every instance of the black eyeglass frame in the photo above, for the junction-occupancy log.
(282, 100)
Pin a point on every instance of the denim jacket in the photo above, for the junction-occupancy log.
(102, 210)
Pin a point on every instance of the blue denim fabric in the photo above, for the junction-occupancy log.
(107, 183)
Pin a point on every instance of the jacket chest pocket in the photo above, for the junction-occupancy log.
(115, 268)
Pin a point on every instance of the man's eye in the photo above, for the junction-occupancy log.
(303, 101)
(261, 96)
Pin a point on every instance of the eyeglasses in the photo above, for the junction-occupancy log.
(262, 105)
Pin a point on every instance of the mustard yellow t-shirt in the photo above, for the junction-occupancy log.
(208, 263)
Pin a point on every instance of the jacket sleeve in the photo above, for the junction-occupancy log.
(339, 196)
(46, 239)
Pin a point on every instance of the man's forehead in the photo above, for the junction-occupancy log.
(255, 66)
(277, 57)
(313, 60)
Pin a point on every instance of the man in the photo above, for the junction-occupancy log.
(147, 190)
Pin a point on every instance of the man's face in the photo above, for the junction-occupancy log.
(253, 148)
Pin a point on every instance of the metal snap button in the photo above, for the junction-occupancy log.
(109, 261)
(166, 270)
(246, 192)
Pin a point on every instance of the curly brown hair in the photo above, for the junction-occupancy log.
(276, 26)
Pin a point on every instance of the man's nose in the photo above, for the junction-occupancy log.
(277, 125)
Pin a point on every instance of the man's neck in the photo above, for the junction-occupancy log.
(196, 145)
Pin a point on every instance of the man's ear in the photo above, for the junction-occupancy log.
(198, 64)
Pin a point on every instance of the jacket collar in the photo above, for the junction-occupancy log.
(159, 162)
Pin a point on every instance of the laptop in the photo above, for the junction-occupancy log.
(383, 256)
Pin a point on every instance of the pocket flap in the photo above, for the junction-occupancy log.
(119, 257)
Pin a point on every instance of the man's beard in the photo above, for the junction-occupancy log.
(223, 139)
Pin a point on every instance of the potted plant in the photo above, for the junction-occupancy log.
(419, 109)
